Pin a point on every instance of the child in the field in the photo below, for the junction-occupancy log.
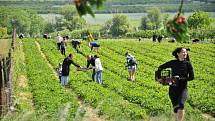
(59, 71)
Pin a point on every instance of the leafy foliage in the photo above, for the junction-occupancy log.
(154, 16)
(120, 25)
(200, 20)
(70, 19)
(25, 21)
(85, 6)
(178, 28)
(3, 32)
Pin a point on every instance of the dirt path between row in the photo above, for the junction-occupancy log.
(88, 112)
(22, 80)
(22, 94)
(208, 116)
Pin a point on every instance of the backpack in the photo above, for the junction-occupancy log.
(132, 61)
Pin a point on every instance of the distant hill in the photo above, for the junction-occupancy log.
(138, 6)
(115, 6)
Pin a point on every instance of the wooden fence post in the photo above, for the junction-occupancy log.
(1, 76)
(4, 71)
(14, 37)
(1, 86)
(9, 82)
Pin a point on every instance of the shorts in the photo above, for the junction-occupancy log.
(132, 68)
(178, 97)
(96, 46)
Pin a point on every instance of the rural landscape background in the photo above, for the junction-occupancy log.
(31, 91)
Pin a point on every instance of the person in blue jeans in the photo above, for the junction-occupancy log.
(65, 69)
(98, 69)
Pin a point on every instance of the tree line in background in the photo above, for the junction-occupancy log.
(114, 6)
(25, 21)
(200, 24)
(33, 25)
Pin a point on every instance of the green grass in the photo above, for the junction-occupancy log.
(144, 93)
(4, 47)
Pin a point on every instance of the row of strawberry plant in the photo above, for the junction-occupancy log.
(204, 108)
(145, 96)
(199, 69)
(48, 95)
(139, 95)
(152, 51)
(108, 103)
(119, 63)
(192, 112)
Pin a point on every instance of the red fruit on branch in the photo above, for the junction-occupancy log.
(77, 2)
(181, 20)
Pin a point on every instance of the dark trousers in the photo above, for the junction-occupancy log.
(58, 46)
(93, 75)
(63, 51)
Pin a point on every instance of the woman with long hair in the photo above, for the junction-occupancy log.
(182, 68)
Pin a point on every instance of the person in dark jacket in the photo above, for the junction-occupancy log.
(154, 37)
(91, 61)
(65, 69)
(94, 46)
(21, 36)
(182, 68)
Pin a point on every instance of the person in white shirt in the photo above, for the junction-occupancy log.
(131, 64)
(98, 69)
(59, 40)
(63, 47)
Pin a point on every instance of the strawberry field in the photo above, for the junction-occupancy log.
(117, 98)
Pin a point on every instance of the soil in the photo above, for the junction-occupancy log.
(23, 81)
(208, 116)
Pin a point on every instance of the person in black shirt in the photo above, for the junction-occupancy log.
(65, 69)
(178, 92)
(154, 37)
(76, 43)
(91, 61)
